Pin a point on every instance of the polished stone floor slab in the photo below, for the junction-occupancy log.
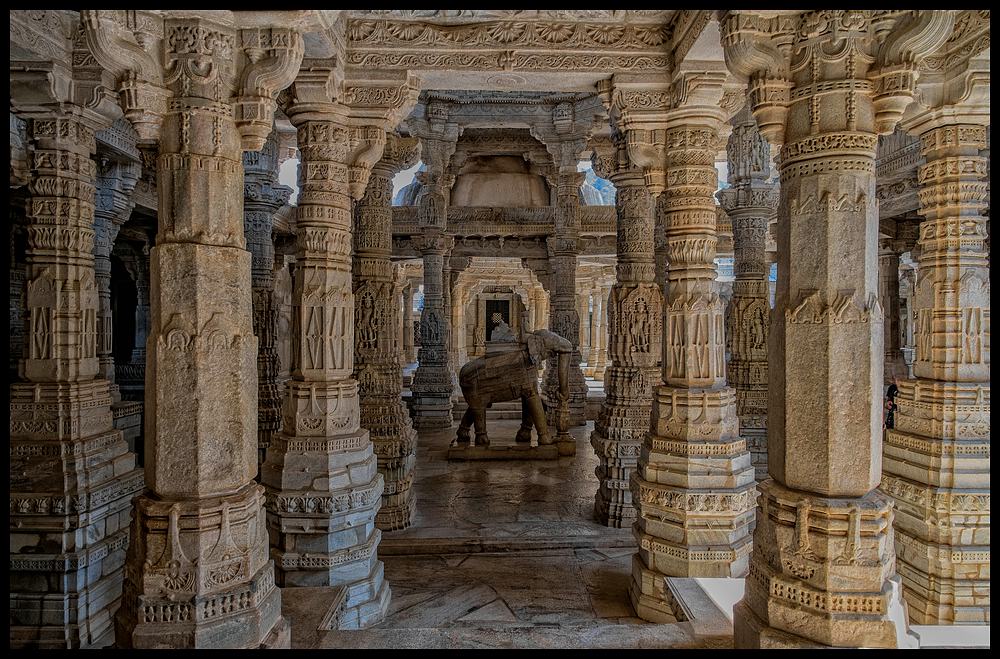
(507, 553)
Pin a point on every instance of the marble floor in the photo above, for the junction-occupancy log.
(506, 554)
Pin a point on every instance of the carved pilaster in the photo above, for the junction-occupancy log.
(377, 348)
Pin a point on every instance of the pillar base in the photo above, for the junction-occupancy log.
(205, 580)
(822, 570)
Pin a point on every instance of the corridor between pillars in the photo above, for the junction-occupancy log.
(376, 345)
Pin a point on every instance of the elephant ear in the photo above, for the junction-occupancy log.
(536, 348)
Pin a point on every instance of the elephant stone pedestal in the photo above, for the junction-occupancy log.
(515, 452)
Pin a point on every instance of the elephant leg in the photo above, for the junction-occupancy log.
(482, 439)
(524, 433)
(534, 404)
(464, 425)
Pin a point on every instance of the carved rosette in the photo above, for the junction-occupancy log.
(936, 461)
(635, 330)
(376, 345)
(692, 521)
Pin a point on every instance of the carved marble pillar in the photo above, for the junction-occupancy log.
(323, 486)
(583, 310)
(116, 179)
(198, 571)
(634, 334)
(601, 361)
(17, 270)
(408, 353)
(937, 458)
(750, 202)
(907, 285)
(888, 288)
(564, 319)
(694, 484)
(825, 84)
(377, 363)
(72, 478)
(262, 197)
(432, 382)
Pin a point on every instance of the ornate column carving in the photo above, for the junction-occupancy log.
(377, 350)
(936, 459)
(72, 477)
(433, 381)
(198, 570)
(323, 486)
(750, 202)
(262, 197)
(888, 295)
(116, 179)
(635, 321)
(825, 83)
(408, 353)
(693, 485)
(583, 310)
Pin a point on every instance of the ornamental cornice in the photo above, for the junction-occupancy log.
(508, 34)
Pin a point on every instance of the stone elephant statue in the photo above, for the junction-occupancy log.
(508, 376)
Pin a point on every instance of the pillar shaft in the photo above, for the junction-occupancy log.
(72, 477)
(936, 461)
(115, 180)
(888, 293)
(377, 349)
(199, 541)
(321, 475)
(635, 329)
(694, 485)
